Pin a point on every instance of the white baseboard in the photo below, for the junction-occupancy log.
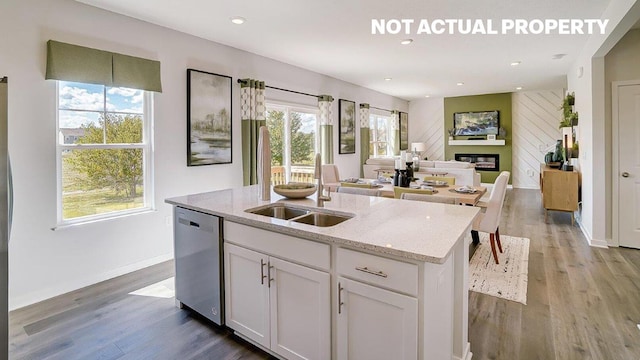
(89, 279)
(467, 355)
(590, 240)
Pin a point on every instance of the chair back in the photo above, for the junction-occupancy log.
(491, 217)
(398, 191)
(358, 191)
(330, 174)
(451, 180)
(428, 198)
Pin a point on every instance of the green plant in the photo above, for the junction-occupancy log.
(569, 118)
(575, 150)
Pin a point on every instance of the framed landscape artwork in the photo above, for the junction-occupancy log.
(404, 130)
(208, 118)
(347, 125)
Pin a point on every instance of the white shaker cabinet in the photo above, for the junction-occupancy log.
(374, 323)
(280, 305)
(246, 293)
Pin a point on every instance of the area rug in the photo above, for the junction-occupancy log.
(507, 280)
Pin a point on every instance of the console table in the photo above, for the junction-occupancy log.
(559, 190)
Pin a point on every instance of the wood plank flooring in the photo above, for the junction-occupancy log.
(582, 303)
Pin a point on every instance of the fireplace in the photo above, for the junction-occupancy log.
(484, 162)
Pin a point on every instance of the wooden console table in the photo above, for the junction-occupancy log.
(559, 190)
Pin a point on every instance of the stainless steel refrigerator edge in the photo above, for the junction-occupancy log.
(4, 221)
(198, 248)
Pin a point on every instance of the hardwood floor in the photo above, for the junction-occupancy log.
(582, 303)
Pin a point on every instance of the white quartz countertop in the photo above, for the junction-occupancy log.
(410, 229)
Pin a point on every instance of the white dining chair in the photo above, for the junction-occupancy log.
(428, 198)
(358, 191)
(330, 177)
(489, 220)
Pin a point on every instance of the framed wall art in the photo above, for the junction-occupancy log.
(347, 125)
(404, 130)
(208, 118)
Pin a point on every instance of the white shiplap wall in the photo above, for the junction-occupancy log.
(536, 116)
(426, 124)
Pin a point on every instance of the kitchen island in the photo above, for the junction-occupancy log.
(389, 282)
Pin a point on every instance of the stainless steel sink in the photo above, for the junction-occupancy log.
(303, 216)
(279, 212)
(321, 219)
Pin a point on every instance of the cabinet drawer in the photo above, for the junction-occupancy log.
(376, 270)
(301, 251)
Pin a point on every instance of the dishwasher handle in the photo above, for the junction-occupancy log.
(195, 225)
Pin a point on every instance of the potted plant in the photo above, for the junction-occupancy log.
(569, 118)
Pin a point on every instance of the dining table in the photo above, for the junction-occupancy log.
(448, 191)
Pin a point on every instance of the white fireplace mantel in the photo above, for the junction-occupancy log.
(498, 142)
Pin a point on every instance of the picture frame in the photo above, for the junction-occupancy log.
(403, 119)
(347, 126)
(209, 118)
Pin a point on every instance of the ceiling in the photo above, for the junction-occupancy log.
(333, 37)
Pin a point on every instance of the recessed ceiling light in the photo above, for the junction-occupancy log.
(238, 20)
(519, 88)
(387, 79)
(406, 41)
(558, 56)
(460, 83)
(427, 96)
(516, 63)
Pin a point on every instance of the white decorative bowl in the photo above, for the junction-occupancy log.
(295, 190)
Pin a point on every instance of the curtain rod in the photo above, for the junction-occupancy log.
(377, 108)
(287, 90)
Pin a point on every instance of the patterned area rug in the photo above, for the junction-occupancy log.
(507, 280)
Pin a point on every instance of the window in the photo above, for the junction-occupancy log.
(103, 151)
(381, 136)
(294, 142)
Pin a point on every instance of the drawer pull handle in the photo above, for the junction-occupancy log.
(372, 272)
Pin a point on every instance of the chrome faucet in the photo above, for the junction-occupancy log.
(318, 175)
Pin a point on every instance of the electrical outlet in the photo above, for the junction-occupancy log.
(167, 221)
(529, 172)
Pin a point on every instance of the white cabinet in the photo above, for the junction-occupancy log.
(247, 293)
(280, 305)
(374, 323)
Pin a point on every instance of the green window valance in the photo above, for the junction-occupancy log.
(70, 62)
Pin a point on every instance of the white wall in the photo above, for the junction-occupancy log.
(586, 79)
(426, 124)
(620, 64)
(536, 116)
(44, 263)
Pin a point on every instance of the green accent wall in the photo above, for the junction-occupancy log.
(500, 102)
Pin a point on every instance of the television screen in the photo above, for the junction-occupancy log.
(476, 123)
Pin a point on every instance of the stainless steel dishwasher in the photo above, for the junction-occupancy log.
(197, 244)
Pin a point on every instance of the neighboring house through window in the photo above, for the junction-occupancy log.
(104, 151)
(381, 136)
(294, 142)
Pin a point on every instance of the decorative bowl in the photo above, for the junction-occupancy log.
(295, 190)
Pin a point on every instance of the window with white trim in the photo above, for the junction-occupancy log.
(381, 136)
(294, 133)
(104, 151)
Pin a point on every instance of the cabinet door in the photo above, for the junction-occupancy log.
(300, 311)
(375, 324)
(247, 293)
